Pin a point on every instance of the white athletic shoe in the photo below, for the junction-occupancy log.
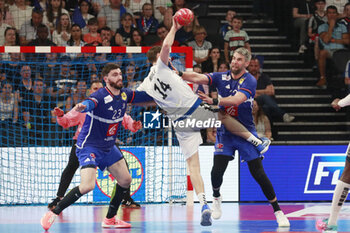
(282, 220)
(216, 207)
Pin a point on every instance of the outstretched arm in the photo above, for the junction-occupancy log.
(168, 41)
(235, 100)
(71, 118)
(195, 77)
(130, 124)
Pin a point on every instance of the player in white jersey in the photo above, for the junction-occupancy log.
(173, 95)
(343, 185)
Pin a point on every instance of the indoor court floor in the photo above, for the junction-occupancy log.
(248, 218)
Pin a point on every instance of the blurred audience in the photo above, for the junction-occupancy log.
(213, 62)
(147, 23)
(123, 34)
(261, 121)
(92, 37)
(200, 45)
(62, 33)
(227, 26)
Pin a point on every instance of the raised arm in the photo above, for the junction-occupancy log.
(71, 118)
(168, 41)
(194, 77)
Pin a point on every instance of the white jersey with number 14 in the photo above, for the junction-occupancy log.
(169, 91)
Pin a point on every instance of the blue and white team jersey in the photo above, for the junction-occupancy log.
(101, 124)
(227, 86)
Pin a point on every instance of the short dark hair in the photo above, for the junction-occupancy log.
(38, 11)
(332, 7)
(238, 18)
(96, 81)
(152, 53)
(92, 21)
(108, 68)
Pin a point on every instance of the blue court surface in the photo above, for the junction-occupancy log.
(250, 218)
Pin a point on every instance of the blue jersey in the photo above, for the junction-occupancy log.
(101, 124)
(227, 86)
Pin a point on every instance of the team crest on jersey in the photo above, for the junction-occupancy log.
(241, 81)
(123, 96)
(108, 99)
(93, 156)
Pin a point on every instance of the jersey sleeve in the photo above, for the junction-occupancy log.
(141, 97)
(248, 87)
(212, 78)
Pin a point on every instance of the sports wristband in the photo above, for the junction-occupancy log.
(180, 73)
(215, 101)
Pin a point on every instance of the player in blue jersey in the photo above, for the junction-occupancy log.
(96, 144)
(236, 89)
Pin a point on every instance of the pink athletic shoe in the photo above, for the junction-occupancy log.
(115, 223)
(47, 220)
(321, 224)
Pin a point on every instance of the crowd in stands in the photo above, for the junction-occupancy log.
(32, 84)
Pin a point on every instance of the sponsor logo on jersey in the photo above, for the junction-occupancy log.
(225, 77)
(123, 96)
(112, 129)
(152, 120)
(106, 182)
(231, 110)
(108, 99)
(219, 146)
(241, 81)
(324, 172)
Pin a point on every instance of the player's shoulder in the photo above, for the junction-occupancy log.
(249, 77)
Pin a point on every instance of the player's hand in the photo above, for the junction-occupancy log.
(79, 107)
(176, 25)
(205, 97)
(137, 125)
(58, 112)
(335, 104)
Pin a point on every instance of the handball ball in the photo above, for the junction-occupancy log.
(184, 16)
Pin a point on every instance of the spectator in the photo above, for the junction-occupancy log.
(185, 33)
(137, 38)
(49, 71)
(346, 19)
(265, 94)
(162, 31)
(213, 62)
(111, 15)
(261, 121)
(11, 39)
(62, 33)
(235, 38)
(106, 36)
(8, 114)
(40, 117)
(3, 27)
(20, 13)
(6, 14)
(78, 96)
(339, 4)
(200, 45)
(223, 67)
(318, 18)
(29, 29)
(302, 11)
(85, 7)
(12, 69)
(76, 38)
(53, 13)
(135, 6)
(228, 25)
(123, 34)
(42, 37)
(347, 75)
(333, 37)
(93, 37)
(147, 23)
(98, 4)
(160, 8)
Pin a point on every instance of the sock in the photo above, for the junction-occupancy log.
(202, 199)
(340, 193)
(69, 199)
(216, 192)
(254, 140)
(116, 198)
(275, 206)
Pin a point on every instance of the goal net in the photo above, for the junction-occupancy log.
(34, 149)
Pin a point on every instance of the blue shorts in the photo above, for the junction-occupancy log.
(228, 144)
(91, 156)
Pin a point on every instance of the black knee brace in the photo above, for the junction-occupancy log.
(257, 171)
(218, 169)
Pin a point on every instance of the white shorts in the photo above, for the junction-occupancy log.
(189, 142)
(190, 138)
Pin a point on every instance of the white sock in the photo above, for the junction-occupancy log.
(339, 197)
(202, 199)
(254, 140)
